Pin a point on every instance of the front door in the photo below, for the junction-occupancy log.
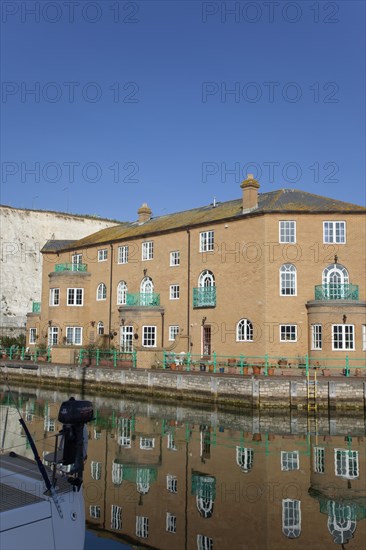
(206, 340)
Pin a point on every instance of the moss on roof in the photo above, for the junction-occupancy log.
(283, 200)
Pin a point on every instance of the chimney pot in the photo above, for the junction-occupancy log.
(250, 188)
(144, 213)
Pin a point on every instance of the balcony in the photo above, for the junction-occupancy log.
(204, 297)
(336, 292)
(36, 307)
(71, 267)
(143, 299)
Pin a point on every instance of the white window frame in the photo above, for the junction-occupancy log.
(142, 527)
(206, 279)
(173, 332)
(52, 336)
(319, 460)
(172, 483)
(245, 458)
(346, 463)
(74, 297)
(149, 336)
(290, 327)
(287, 232)
(363, 337)
(49, 424)
(123, 254)
(317, 336)
(100, 328)
(170, 444)
(147, 251)
(76, 259)
(147, 443)
(174, 292)
(330, 230)
(74, 336)
(103, 255)
(126, 338)
(122, 290)
(124, 432)
(116, 517)
(171, 523)
(345, 339)
(290, 460)
(291, 518)
(204, 542)
(288, 280)
(54, 297)
(174, 258)
(94, 511)
(244, 331)
(101, 292)
(207, 241)
(32, 335)
(96, 470)
(117, 473)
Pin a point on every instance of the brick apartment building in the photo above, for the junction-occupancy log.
(279, 273)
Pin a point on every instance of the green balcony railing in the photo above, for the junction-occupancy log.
(204, 296)
(36, 307)
(71, 267)
(336, 292)
(144, 299)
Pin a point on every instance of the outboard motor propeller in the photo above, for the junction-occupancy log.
(74, 415)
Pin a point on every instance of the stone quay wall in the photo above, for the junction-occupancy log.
(230, 391)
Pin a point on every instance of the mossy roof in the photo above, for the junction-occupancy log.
(283, 200)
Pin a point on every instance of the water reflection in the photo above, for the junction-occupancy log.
(170, 477)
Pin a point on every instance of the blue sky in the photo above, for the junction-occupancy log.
(172, 103)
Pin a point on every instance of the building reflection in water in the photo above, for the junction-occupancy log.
(179, 484)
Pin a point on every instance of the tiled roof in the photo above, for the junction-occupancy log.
(53, 245)
(283, 200)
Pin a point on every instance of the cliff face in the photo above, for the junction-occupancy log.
(23, 234)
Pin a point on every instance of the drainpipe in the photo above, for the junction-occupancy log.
(110, 297)
(189, 292)
(162, 329)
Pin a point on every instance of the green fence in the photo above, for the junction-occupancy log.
(26, 354)
(263, 364)
(106, 358)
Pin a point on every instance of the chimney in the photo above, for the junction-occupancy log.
(144, 213)
(250, 188)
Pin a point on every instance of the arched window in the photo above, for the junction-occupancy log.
(288, 280)
(341, 521)
(335, 282)
(244, 331)
(147, 285)
(205, 489)
(101, 292)
(121, 293)
(100, 328)
(205, 506)
(244, 458)
(291, 518)
(206, 279)
(143, 480)
(147, 292)
(117, 473)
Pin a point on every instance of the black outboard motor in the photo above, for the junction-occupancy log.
(74, 414)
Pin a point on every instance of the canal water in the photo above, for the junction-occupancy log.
(172, 477)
